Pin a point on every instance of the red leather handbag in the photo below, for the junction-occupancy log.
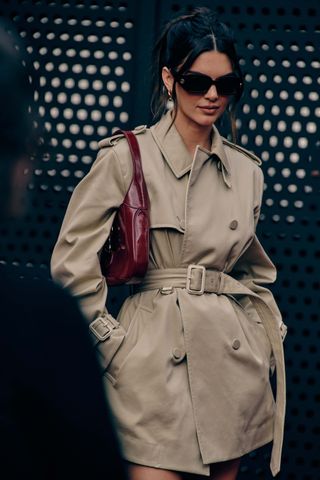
(126, 252)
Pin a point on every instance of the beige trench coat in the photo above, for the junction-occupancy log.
(187, 374)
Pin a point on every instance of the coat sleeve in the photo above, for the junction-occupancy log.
(255, 270)
(86, 226)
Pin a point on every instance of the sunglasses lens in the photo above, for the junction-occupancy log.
(195, 83)
(200, 84)
(228, 85)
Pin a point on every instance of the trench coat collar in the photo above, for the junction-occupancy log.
(177, 155)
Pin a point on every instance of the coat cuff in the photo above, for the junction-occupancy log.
(101, 328)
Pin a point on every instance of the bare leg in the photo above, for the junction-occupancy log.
(139, 472)
(219, 471)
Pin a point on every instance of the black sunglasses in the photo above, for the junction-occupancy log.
(198, 83)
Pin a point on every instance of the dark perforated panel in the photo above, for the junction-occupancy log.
(82, 53)
(92, 62)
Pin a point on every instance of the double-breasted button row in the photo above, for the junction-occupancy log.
(236, 344)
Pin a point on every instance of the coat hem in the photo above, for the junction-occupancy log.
(254, 438)
(153, 455)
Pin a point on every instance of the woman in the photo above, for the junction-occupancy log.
(187, 363)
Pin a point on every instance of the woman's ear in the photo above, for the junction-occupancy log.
(168, 80)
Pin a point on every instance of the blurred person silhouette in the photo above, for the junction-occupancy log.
(54, 418)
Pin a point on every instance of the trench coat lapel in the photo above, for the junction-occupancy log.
(177, 155)
(217, 149)
(172, 146)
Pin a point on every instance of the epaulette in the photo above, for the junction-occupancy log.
(249, 154)
(111, 141)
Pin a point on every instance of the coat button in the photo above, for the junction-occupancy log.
(233, 225)
(178, 355)
(236, 344)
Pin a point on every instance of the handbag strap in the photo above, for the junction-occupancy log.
(137, 195)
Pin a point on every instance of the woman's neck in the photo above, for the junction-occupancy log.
(193, 134)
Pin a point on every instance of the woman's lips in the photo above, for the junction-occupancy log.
(211, 110)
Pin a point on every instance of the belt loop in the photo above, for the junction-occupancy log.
(220, 283)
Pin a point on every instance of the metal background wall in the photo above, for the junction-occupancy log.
(93, 59)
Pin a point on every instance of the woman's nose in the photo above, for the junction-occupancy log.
(212, 93)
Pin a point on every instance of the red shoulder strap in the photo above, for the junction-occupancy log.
(138, 182)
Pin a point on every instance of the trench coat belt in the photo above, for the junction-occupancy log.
(198, 280)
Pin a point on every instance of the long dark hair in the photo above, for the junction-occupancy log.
(181, 42)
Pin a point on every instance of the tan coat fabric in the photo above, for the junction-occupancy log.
(187, 375)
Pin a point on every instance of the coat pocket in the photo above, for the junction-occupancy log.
(131, 318)
(106, 350)
(252, 326)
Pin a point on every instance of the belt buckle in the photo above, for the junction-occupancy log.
(193, 291)
(98, 325)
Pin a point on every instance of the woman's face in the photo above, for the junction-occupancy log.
(203, 110)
